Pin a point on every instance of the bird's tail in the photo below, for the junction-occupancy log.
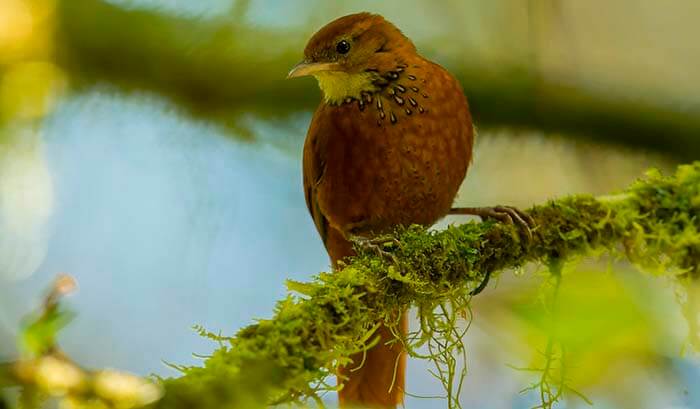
(376, 378)
(379, 381)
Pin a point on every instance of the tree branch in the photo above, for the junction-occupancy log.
(216, 68)
(654, 224)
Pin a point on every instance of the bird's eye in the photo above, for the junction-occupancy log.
(343, 47)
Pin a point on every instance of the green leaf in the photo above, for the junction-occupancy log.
(300, 287)
(39, 335)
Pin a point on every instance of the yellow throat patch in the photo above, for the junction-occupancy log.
(338, 85)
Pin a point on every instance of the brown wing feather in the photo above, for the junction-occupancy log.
(313, 170)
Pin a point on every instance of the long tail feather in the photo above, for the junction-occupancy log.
(376, 378)
(380, 381)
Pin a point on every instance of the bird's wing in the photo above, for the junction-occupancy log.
(314, 168)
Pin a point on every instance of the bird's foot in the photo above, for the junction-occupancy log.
(378, 245)
(504, 214)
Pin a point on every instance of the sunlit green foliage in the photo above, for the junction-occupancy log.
(45, 372)
(39, 336)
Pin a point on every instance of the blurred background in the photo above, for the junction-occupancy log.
(152, 149)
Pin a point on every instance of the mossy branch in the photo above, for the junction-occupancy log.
(216, 68)
(654, 223)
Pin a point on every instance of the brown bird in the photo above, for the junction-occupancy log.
(389, 145)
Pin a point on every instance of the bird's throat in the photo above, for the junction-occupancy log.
(337, 86)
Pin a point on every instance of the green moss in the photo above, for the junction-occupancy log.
(654, 224)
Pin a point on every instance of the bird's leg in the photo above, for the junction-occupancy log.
(504, 214)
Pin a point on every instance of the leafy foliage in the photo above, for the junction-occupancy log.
(39, 336)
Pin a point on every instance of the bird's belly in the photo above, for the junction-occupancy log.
(408, 179)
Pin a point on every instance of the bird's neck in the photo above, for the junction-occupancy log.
(338, 86)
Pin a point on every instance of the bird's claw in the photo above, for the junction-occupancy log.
(377, 245)
(505, 214)
(482, 285)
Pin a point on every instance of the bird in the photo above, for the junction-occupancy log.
(389, 145)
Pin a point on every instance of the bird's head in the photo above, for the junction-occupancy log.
(349, 55)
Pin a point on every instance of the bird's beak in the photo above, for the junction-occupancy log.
(309, 68)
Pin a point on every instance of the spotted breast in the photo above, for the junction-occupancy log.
(396, 156)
